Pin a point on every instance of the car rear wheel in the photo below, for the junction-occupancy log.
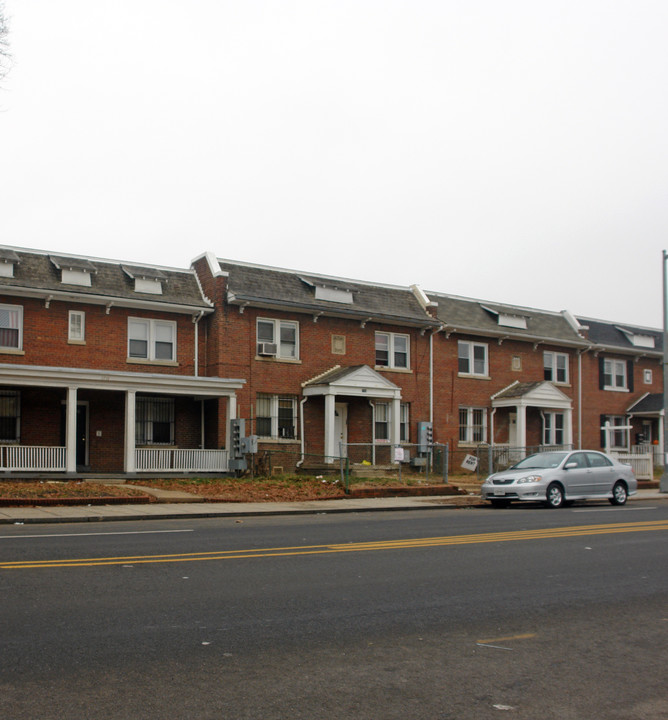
(500, 503)
(554, 497)
(619, 494)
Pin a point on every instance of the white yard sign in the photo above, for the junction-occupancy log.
(470, 463)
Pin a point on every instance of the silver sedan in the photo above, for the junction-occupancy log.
(558, 477)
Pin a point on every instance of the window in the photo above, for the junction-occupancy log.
(472, 425)
(618, 434)
(10, 416)
(276, 416)
(555, 367)
(392, 350)
(647, 377)
(151, 339)
(382, 421)
(154, 421)
(77, 326)
(278, 338)
(11, 326)
(472, 358)
(404, 423)
(553, 428)
(614, 374)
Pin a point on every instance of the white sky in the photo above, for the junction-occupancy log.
(510, 150)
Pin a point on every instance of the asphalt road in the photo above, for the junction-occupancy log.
(524, 613)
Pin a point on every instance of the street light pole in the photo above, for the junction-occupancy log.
(663, 487)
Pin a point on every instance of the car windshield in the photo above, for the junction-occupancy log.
(540, 460)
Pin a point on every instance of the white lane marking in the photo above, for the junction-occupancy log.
(619, 509)
(128, 532)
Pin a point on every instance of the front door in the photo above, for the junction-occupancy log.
(341, 428)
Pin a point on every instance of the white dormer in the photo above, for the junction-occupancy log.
(330, 293)
(147, 280)
(74, 271)
(8, 258)
(638, 339)
(505, 319)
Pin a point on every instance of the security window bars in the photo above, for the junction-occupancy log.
(151, 339)
(277, 338)
(11, 326)
(472, 358)
(472, 425)
(392, 350)
(276, 416)
(555, 367)
(10, 416)
(154, 421)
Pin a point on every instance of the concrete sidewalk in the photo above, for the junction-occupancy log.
(160, 511)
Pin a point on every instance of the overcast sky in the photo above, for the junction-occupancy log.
(508, 150)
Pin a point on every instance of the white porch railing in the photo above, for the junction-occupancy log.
(643, 465)
(32, 457)
(174, 460)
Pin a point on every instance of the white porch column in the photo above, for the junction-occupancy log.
(71, 431)
(331, 451)
(130, 431)
(395, 427)
(568, 427)
(231, 414)
(522, 428)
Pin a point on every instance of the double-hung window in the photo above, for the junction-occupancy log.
(278, 338)
(154, 421)
(381, 421)
(11, 327)
(404, 423)
(555, 367)
(392, 350)
(276, 416)
(619, 432)
(553, 428)
(615, 374)
(76, 332)
(473, 358)
(151, 339)
(472, 425)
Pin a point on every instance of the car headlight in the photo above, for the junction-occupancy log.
(530, 479)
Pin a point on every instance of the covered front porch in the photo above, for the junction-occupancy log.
(85, 422)
(533, 416)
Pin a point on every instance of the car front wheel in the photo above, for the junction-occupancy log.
(554, 497)
(619, 494)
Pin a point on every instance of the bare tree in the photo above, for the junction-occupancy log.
(5, 57)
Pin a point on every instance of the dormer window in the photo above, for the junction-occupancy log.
(74, 271)
(8, 258)
(638, 339)
(505, 319)
(330, 292)
(147, 280)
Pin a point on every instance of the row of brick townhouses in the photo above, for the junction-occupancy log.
(111, 367)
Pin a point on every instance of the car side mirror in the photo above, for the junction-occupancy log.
(570, 465)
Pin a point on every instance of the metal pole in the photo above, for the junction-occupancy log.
(663, 486)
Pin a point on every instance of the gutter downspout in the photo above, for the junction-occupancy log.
(196, 319)
(431, 372)
(302, 447)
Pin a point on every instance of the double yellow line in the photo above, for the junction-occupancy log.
(406, 544)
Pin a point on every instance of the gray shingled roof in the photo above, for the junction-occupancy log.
(518, 390)
(612, 335)
(290, 290)
(477, 317)
(652, 403)
(36, 271)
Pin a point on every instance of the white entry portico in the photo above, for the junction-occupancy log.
(359, 381)
(518, 397)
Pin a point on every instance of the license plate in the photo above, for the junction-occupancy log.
(500, 492)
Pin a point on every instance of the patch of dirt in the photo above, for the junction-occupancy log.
(72, 489)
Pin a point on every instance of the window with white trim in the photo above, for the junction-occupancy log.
(151, 339)
(472, 358)
(555, 366)
(381, 418)
(10, 416)
(619, 433)
(404, 423)
(553, 428)
(392, 350)
(647, 377)
(472, 425)
(276, 416)
(76, 329)
(277, 338)
(614, 374)
(11, 326)
(154, 421)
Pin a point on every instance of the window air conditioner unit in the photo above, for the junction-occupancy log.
(265, 348)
